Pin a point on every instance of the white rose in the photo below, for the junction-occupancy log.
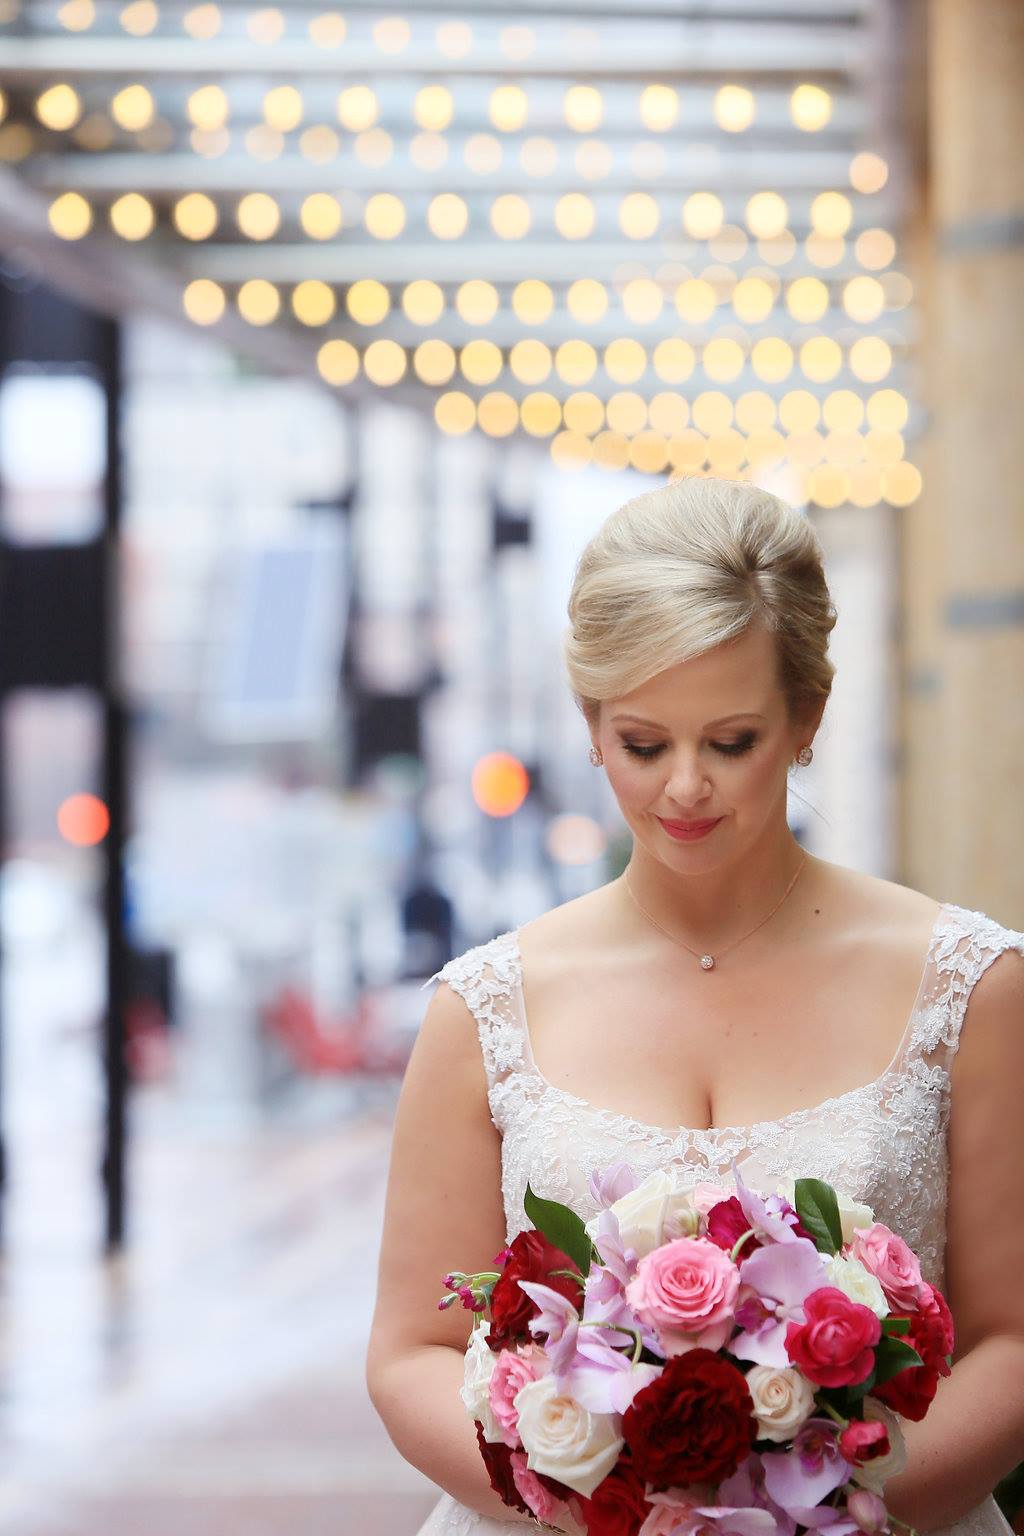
(564, 1440)
(477, 1368)
(655, 1212)
(783, 1399)
(852, 1213)
(857, 1282)
(873, 1474)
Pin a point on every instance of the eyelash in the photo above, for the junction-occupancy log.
(728, 749)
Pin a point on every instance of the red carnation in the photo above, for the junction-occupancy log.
(910, 1391)
(498, 1461)
(863, 1440)
(617, 1506)
(835, 1347)
(694, 1423)
(530, 1257)
(932, 1334)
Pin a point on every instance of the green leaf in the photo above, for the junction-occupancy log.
(818, 1209)
(860, 1389)
(560, 1226)
(892, 1355)
(895, 1324)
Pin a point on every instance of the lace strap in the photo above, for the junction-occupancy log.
(486, 977)
(965, 945)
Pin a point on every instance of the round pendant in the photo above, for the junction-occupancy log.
(706, 963)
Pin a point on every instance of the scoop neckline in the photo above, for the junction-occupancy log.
(678, 1133)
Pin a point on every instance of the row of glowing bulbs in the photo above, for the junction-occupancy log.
(574, 215)
(133, 107)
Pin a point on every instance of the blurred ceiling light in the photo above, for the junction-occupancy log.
(375, 146)
(574, 216)
(139, 18)
(133, 108)
(16, 142)
(94, 132)
(668, 413)
(391, 34)
(258, 216)
(384, 215)
(755, 411)
(77, 15)
(263, 142)
(367, 301)
(265, 26)
(875, 248)
(687, 450)
(799, 411)
(3, 106)
(207, 107)
(753, 299)
(583, 412)
(777, 249)
(593, 159)
(454, 39)
(674, 360)
(434, 361)
(58, 107)
(642, 300)
(723, 359)
(132, 216)
(865, 485)
(447, 216)
(483, 153)
(433, 107)
(258, 301)
(384, 362)
(821, 358)
(155, 138)
(507, 108)
(639, 215)
(771, 358)
(319, 143)
(730, 244)
(477, 301)
(883, 447)
(610, 450)
(734, 108)
(337, 361)
(648, 159)
(843, 449)
(767, 214)
(810, 108)
(828, 485)
(575, 361)
(357, 108)
(870, 359)
(209, 142)
(843, 411)
(517, 42)
(328, 30)
(532, 301)
(625, 360)
(868, 172)
(480, 361)
(583, 107)
(70, 216)
(824, 250)
(888, 410)
(702, 215)
(586, 300)
(626, 412)
(864, 299)
(807, 299)
(530, 360)
(497, 413)
(510, 216)
(499, 783)
(203, 301)
(695, 300)
(313, 301)
(570, 450)
(659, 107)
(901, 484)
(805, 448)
(540, 413)
(422, 301)
(831, 214)
(202, 22)
(648, 452)
(428, 151)
(454, 412)
(320, 215)
(83, 820)
(282, 108)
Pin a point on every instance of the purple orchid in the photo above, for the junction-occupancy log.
(800, 1478)
(782, 1276)
(610, 1184)
(771, 1216)
(745, 1489)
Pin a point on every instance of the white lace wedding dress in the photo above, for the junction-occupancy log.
(885, 1142)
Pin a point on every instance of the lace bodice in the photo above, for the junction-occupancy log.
(884, 1142)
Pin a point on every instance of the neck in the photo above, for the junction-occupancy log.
(715, 906)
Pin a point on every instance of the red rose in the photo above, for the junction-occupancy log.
(530, 1257)
(617, 1506)
(694, 1423)
(835, 1347)
(862, 1440)
(932, 1334)
(498, 1461)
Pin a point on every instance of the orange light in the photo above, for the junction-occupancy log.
(500, 784)
(83, 820)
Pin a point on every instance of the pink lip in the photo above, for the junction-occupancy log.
(687, 830)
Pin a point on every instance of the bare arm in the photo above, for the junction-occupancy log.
(443, 1211)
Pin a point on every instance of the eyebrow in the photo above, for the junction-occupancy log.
(639, 719)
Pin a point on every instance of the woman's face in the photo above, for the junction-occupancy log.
(712, 741)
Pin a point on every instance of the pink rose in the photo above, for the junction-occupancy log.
(894, 1265)
(705, 1195)
(686, 1289)
(531, 1490)
(863, 1440)
(512, 1370)
(835, 1347)
(671, 1505)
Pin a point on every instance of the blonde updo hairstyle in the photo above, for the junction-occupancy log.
(683, 568)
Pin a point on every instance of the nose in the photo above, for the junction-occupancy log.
(687, 785)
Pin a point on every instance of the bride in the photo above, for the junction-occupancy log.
(797, 1015)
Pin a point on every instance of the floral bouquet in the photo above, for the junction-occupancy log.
(703, 1361)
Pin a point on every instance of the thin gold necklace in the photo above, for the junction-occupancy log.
(707, 962)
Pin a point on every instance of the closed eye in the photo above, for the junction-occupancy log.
(726, 748)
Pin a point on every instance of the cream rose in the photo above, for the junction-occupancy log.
(873, 1474)
(564, 1440)
(477, 1369)
(783, 1398)
(852, 1278)
(655, 1212)
(852, 1213)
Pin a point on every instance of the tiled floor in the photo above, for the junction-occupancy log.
(210, 1382)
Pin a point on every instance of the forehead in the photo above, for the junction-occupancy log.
(738, 676)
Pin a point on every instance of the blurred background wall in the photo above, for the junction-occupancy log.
(327, 337)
